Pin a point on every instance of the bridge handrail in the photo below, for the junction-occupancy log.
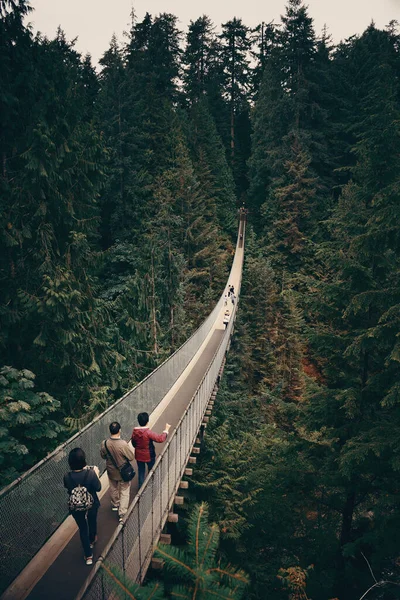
(132, 544)
(27, 520)
(209, 320)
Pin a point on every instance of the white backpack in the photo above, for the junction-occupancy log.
(80, 499)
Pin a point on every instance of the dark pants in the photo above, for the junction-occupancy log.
(142, 469)
(87, 523)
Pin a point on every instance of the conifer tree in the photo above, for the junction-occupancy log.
(235, 48)
(270, 121)
(289, 207)
(264, 38)
(296, 41)
(210, 163)
(136, 95)
(195, 571)
(111, 112)
(353, 341)
(52, 214)
(198, 55)
(291, 134)
(128, 590)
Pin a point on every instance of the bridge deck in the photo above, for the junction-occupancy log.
(67, 573)
(58, 570)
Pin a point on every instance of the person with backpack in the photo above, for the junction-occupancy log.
(118, 455)
(82, 484)
(143, 439)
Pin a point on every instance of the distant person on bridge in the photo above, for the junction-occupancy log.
(83, 483)
(226, 318)
(143, 439)
(121, 452)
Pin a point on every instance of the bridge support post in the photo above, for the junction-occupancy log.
(165, 538)
(157, 564)
(173, 518)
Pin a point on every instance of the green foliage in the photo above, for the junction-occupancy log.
(200, 53)
(211, 166)
(29, 429)
(111, 253)
(196, 571)
(343, 275)
(126, 589)
(117, 206)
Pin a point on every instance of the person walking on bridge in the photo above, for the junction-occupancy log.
(226, 318)
(117, 452)
(143, 439)
(83, 483)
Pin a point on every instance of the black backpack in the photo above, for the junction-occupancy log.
(80, 499)
(127, 472)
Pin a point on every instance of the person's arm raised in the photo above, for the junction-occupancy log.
(159, 437)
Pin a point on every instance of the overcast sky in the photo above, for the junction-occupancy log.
(94, 21)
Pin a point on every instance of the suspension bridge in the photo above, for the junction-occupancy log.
(40, 551)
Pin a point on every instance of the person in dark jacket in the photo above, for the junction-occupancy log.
(87, 477)
(143, 441)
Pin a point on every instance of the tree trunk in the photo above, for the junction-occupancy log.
(172, 325)
(232, 132)
(233, 101)
(347, 518)
(345, 536)
(153, 306)
(201, 73)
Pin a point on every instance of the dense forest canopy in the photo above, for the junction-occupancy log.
(119, 191)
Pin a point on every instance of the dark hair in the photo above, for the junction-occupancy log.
(77, 459)
(143, 419)
(115, 427)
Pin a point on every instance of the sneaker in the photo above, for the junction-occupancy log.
(94, 541)
(114, 508)
(121, 519)
(89, 560)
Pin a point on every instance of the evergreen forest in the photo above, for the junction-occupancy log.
(120, 186)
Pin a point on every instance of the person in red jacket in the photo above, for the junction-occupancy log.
(143, 439)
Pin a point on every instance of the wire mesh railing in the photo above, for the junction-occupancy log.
(34, 506)
(133, 543)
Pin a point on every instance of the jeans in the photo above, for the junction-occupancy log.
(142, 469)
(87, 523)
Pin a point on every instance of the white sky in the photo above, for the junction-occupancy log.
(94, 21)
